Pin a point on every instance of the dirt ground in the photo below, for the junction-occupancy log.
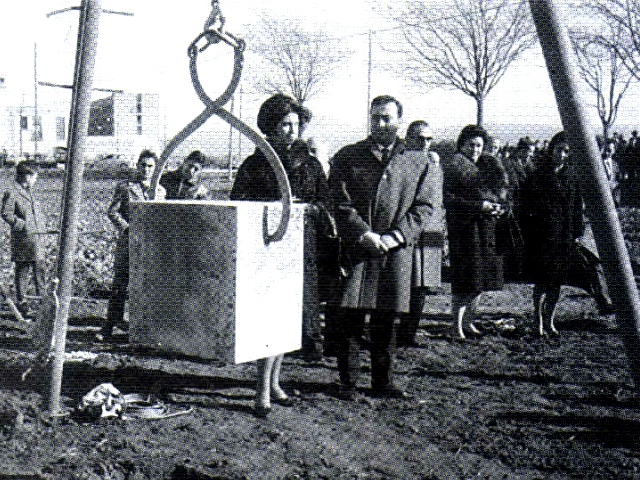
(507, 405)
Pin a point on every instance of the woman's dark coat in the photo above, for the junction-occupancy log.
(551, 221)
(475, 263)
(257, 181)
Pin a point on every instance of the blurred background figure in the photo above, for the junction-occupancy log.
(139, 188)
(185, 182)
(427, 258)
(23, 214)
(611, 169)
(495, 147)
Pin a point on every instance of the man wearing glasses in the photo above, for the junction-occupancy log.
(427, 259)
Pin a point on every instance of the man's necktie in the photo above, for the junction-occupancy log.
(385, 155)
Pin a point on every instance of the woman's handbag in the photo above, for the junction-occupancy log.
(509, 238)
(510, 244)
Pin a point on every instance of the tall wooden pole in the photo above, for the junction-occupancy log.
(369, 68)
(78, 126)
(37, 127)
(601, 211)
(230, 170)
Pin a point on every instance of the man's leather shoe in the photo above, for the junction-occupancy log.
(605, 309)
(389, 391)
(347, 393)
(261, 411)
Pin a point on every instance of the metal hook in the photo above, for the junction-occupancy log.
(216, 107)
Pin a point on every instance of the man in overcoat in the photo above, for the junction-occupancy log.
(427, 260)
(381, 201)
(21, 211)
(139, 188)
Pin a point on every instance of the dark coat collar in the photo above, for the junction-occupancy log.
(19, 189)
(373, 147)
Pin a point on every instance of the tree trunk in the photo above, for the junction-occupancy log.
(605, 131)
(480, 109)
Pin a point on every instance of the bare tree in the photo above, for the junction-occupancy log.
(603, 70)
(467, 45)
(622, 14)
(300, 61)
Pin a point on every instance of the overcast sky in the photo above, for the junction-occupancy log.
(147, 53)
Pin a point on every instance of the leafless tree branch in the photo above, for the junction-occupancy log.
(468, 48)
(624, 14)
(602, 67)
(294, 61)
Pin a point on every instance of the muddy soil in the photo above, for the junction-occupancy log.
(505, 406)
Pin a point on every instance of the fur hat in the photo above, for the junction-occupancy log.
(471, 131)
(275, 108)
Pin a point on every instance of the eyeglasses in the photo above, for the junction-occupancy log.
(426, 139)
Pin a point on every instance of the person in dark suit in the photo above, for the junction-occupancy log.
(184, 183)
(381, 203)
(118, 213)
(23, 214)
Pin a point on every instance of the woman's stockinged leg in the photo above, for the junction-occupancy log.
(458, 308)
(276, 391)
(545, 301)
(263, 390)
(463, 311)
(470, 315)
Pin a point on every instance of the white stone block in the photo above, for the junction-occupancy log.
(203, 282)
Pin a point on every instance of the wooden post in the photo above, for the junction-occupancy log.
(78, 126)
(601, 211)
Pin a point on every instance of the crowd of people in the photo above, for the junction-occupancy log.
(381, 214)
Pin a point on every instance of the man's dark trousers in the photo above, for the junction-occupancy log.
(351, 324)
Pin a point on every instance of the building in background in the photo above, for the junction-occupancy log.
(120, 126)
(123, 124)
